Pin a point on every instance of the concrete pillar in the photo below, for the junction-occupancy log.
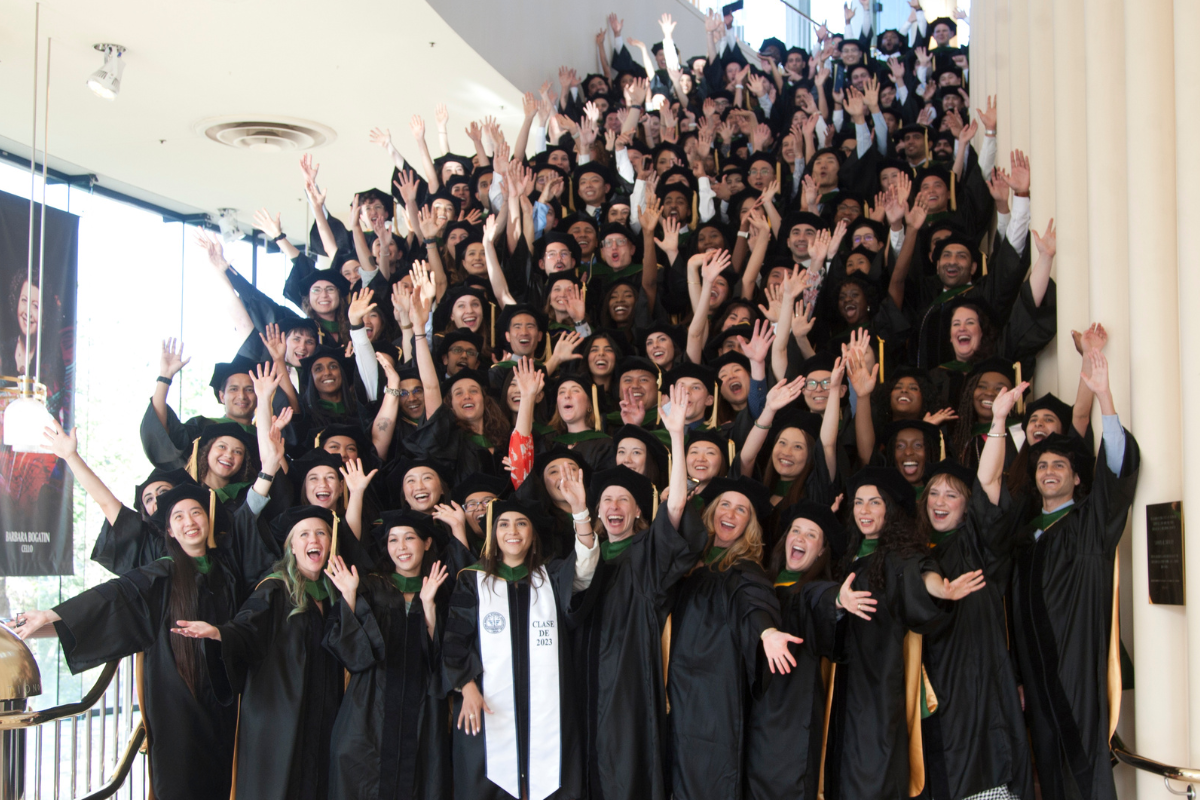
(1014, 96)
(1040, 100)
(1002, 65)
(1070, 210)
(1108, 240)
(1160, 660)
(1187, 162)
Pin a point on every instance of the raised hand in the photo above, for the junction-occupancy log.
(265, 379)
(432, 582)
(860, 604)
(633, 409)
(668, 26)
(938, 417)
(675, 420)
(417, 126)
(576, 308)
(784, 393)
(1046, 243)
(360, 305)
(1018, 177)
(616, 24)
(381, 137)
(452, 514)
(987, 117)
(407, 184)
(1004, 402)
(441, 115)
(356, 480)
(63, 444)
(1096, 378)
(346, 580)
(759, 346)
(963, 585)
(915, 218)
(212, 248)
(775, 646)
(269, 225)
(529, 379)
(774, 303)
(171, 360)
(308, 169)
(564, 348)
(570, 483)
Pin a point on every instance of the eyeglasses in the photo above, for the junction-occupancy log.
(616, 241)
(813, 385)
(463, 351)
(476, 505)
(412, 392)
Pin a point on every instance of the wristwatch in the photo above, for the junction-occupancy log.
(391, 391)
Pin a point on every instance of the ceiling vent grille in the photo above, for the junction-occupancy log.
(267, 135)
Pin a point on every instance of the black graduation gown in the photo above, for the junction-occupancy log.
(170, 447)
(784, 731)
(463, 663)
(618, 659)
(976, 738)
(1062, 616)
(391, 738)
(439, 438)
(290, 686)
(717, 663)
(866, 755)
(191, 736)
(128, 543)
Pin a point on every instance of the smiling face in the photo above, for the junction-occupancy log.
(800, 237)
(226, 456)
(909, 455)
(553, 474)
(467, 312)
(935, 192)
(1042, 423)
(698, 398)
(704, 460)
(789, 455)
(660, 348)
(954, 267)
(1056, 480)
(310, 541)
(188, 525)
(514, 535)
(906, 399)
(592, 188)
(642, 384)
(422, 489)
(407, 549)
(473, 261)
(466, 400)
(816, 390)
(732, 515)
(585, 237)
(28, 303)
(945, 503)
(617, 511)
(322, 487)
(343, 446)
(805, 543)
(631, 453)
(869, 511)
(601, 358)
(300, 344)
(709, 238)
(149, 496)
(735, 384)
(966, 333)
(852, 302)
(324, 299)
(443, 210)
(620, 303)
(327, 378)
(523, 335)
(991, 384)
(238, 397)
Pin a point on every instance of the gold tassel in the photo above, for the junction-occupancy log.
(571, 193)
(926, 146)
(912, 698)
(866, 209)
(1020, 397)
(654, 506)
(716, 396)
(333, 537)
(193, 468)
(212, 515)
(317, 439)
(583, 291)
(658, 407)
(1114, 651)
(487, 532)
(716, 151)
(942, 439)
(595, 408)
(953, 199)
(695, 210)
(345, 496)
(983, 260)
(880, 339)
(546, 358)
(493, 342)
(732, 453)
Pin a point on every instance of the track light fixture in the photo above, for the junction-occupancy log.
(106, 81)
(231, 231)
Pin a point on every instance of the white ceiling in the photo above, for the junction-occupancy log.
(348, 66)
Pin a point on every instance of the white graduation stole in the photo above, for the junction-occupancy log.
(495, 647)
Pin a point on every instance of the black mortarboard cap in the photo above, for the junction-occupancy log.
(888, 481)
(758, 495)
(224, 370)
(637, 485)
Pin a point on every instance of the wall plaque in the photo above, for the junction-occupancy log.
(1164, 546)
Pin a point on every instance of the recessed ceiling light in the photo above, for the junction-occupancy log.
(106, 81)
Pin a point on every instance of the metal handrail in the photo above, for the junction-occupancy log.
(12, 720)
(1167, 772)
(123, 766)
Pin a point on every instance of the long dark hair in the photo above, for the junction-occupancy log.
(343, 323)
(491, 557)
(966, 418)
(821, 570)
(881, 401)
(796, 492)
(182, 605)
(242, 475)
(899, 535)
(496, 424)
(318, 416)
(924, 527)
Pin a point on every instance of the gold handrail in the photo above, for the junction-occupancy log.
(12, 720)
(1182, 774)
(123, 766)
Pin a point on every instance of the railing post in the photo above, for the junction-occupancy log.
(12, 756)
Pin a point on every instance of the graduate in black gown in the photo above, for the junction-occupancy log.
(785, 728)
(1062, 603)
(618, 648)
(975, 740)
(190, 724)
(392, 733)
(271, 652)
(867, 748)
(513, 708)
(725, 631)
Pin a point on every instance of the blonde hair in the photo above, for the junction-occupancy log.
(748, 546)
(293, 578)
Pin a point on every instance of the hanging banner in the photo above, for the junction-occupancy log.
(36, 489)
